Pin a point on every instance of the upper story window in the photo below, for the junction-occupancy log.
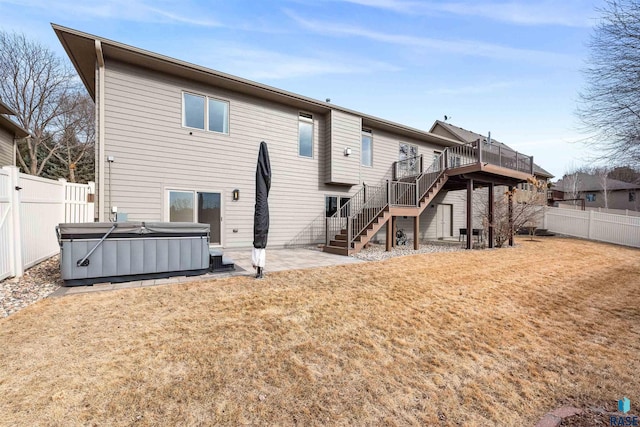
(305, 135)
(203, 112)
(218, 116)
(366, 151)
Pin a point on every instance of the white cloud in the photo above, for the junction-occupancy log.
(571, 13)
(462, 47)
(264, 64)
(128, 10)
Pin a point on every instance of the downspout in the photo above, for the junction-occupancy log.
(100, 130)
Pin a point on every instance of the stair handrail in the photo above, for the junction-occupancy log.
(357, 223)
(341, 218)
(426, 180)
(352, 206)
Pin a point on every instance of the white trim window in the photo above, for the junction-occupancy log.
(305, 135)
(205, 207)
(205, 113)
(366, 149)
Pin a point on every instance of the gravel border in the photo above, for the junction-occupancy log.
(377, 252)
(37, 283)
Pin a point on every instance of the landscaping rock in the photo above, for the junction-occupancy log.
(37, 283)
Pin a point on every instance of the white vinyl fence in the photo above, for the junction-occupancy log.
(592, 225)
(30, 208)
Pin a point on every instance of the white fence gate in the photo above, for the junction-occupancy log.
(30, 208)
(605, 227)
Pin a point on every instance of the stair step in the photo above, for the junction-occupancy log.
(341, 236)
(340, 243)
(336, 250)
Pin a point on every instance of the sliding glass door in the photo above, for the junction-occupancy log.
(197, 206)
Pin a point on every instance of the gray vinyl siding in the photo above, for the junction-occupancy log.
(154, 153)
(6, 148)
(346, 131)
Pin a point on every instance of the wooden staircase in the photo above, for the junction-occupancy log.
(340, 244)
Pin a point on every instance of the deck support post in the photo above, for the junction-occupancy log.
(389, 243)
(510, 215)
(491, 187)
(416, 232)
(394, 230)
(469, 213)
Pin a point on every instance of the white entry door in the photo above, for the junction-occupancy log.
(444, 220)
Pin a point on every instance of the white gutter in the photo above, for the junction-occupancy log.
(100, 130)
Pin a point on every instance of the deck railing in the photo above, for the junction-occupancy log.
(402, 191)
(500, 155)
(407, 168)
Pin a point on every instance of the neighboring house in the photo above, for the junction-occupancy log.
(589, 189)
(10, 133)
(179, 142)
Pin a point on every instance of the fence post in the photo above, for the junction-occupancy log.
(590, 226)
(65, 208)
(90, 202)
(15, 226)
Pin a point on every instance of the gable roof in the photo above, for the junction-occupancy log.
(83, 50)
(588, 182)
(8, 124)
(468, 137)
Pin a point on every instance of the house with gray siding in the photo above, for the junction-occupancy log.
(10, 132)
(591, 190)
(179, 142)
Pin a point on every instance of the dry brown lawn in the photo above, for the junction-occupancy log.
(478, 338)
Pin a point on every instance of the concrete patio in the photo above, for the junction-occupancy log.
(277, 260)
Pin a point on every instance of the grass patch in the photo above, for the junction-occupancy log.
(495, 337)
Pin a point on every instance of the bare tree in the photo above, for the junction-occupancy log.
(36, 84)
(602, 173)
(528, 210)
(76, 140)
(610, 104)
(571, 185)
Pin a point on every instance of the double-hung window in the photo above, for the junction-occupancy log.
(305, 135)
(205, 113)
(366, 150)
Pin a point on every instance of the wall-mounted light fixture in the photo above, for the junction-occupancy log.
(347, 151)
(236, 195)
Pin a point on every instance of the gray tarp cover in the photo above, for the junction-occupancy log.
(132, 228)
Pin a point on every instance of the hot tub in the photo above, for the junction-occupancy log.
(124, 251)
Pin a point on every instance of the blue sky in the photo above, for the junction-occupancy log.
(509, 67)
